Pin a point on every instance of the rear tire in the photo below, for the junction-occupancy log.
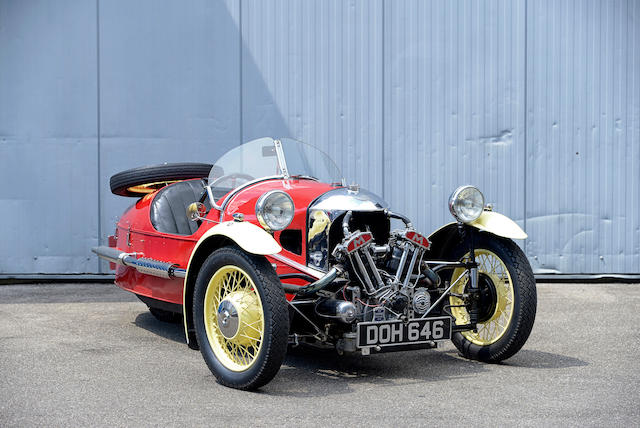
(241, 318)
(140, 181)
(508, 297)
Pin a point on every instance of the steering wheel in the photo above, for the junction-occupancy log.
(233, 176)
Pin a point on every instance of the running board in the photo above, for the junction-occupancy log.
(143, 264)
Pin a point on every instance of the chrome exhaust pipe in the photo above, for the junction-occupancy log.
(144, 265)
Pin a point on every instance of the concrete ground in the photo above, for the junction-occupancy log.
(91, 354)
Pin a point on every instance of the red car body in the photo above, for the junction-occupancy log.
(135, 234)
(285, 253)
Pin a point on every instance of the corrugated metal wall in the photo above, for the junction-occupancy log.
(48, 136)
(536, 102)
(454, 105)
(313, 70)
(583, 136)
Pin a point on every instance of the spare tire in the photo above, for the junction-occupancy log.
(140, 181)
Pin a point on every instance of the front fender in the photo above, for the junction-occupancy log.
(447, 237)
(498, 224)
(251, 238)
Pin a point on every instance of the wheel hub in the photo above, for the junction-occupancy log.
(237, 315)
(488, 297)
(495, 299)
(228, 320)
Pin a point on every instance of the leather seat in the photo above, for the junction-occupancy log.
(168, 210)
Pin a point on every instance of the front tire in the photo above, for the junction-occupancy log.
(241, 318)
(507, 303)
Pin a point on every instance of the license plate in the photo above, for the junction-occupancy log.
(390, 333)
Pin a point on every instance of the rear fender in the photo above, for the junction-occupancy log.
(247, 236)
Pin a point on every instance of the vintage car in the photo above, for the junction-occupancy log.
(269, 248)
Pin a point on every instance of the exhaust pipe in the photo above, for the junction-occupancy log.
(144, 265)
(314, 286)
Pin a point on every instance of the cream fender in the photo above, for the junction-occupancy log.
(251, 238)
(498, 224)
(489, 221)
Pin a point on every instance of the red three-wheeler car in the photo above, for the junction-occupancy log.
(269, 247)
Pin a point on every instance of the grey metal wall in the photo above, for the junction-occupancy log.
(537, 102)
(48, 136)
(583, 136)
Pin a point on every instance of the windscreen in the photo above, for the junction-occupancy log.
(252, 160)
(260, 158)
(307, 161)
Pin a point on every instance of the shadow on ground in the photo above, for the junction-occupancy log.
(529, 358)
(310, 372)
(174, 332)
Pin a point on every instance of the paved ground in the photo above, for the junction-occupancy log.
(90, 354)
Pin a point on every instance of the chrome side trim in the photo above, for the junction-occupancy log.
(179, 273)
(302, 268)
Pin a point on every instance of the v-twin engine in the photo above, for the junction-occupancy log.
(386, 281)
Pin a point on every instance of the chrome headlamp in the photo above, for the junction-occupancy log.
(275, 210)
(466, 203)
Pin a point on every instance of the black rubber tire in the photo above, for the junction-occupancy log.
(276, 318)
(166, 316)
(122, 181)
(524, 306)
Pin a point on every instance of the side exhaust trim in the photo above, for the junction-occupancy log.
(144, 265)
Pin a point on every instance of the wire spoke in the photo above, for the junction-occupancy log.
(492, 329)
(232, 284)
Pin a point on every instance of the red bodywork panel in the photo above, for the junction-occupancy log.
(135, 233)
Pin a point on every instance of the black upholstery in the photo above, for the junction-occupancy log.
(169, 208)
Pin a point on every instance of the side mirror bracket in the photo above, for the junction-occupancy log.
(196, 211)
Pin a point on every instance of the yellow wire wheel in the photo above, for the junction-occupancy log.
(233, 318)
(507, 300)
(241, 318)
(496, 285)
